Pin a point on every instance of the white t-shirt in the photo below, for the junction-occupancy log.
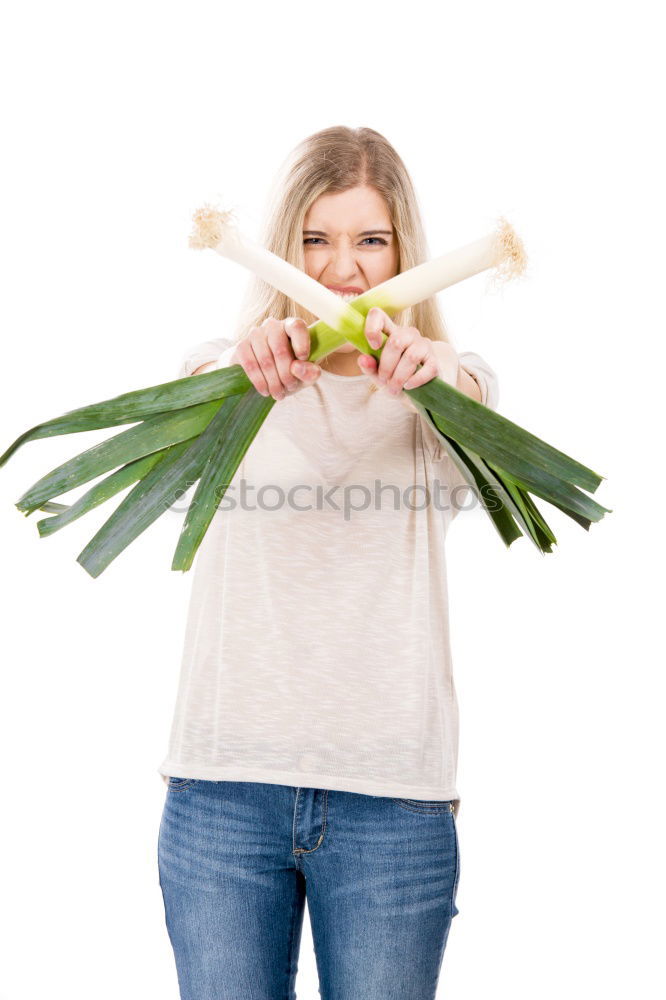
(316, 649)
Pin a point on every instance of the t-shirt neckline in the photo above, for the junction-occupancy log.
(343, 378)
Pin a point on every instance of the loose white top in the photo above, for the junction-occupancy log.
(316, 649)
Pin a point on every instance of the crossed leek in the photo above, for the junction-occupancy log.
(197, 429)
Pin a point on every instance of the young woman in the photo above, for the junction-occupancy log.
(314, 743)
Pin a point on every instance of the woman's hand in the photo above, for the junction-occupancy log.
(273, 356)
(403, 352)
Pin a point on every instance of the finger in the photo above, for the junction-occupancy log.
(416, 353)
(297, 331)
(280, 346)
(306, 371)
(375, 323)
(367, 364)
(424, 374)
(248, 360)
(264, 356)
(398, 342)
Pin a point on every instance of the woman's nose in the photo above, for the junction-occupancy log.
(343, 266)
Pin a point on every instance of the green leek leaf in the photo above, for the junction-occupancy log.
(99, 493)
(155, 493)
(152, 434)
(131, 407)
(219, 470)
(489, 433)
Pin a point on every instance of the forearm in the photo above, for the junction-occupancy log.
(467, 383)
(205, 368)
(452, 370)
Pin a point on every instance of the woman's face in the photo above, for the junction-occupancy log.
(349, 243)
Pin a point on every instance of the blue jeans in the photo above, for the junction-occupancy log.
(237, 859)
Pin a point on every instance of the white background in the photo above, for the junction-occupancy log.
(119, 120)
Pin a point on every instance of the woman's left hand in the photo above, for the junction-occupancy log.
(403, 352)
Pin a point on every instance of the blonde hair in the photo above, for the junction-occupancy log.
(337, 159)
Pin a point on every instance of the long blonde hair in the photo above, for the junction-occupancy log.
(337, 159)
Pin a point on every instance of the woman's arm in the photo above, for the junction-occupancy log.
(206, 356)
(468, 384)
(453, 370)
(205, 368)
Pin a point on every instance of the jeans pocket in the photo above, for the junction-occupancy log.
(178, 784)
(428, 808)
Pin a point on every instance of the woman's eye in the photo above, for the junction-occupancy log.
(379, 241)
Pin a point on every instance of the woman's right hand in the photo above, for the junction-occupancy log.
(273, 356)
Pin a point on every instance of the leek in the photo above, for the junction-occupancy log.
(199, 428)
(525, 462)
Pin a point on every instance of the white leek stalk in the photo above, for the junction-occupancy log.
(501, 249)
(217, 230)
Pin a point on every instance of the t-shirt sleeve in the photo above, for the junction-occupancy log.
(220, 350)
